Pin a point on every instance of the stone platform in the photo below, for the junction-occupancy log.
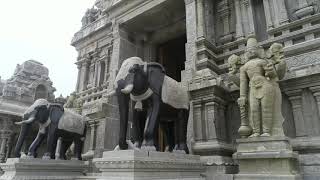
(144, 165)
(31, 169)
(267, 158)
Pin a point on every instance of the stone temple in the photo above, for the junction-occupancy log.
(193, 40)
(29, 82)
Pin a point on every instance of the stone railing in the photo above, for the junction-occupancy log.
(90, 28)
(92, 94)
(300, 33)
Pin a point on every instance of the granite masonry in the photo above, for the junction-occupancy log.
(29, 82)
(193, 40)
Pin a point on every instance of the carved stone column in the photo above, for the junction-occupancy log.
(5, 138)
(267, 11)
(84, 75)
(248, 15)
(295, 98)
(239, 25)
(79, 66)
(211, 137)
(224, 14)
(281, 14)
(91, 74)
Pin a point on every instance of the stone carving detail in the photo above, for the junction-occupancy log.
(29, 82)
(260, 95)
(90, 16)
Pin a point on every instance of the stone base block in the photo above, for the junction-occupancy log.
(266, 177)
(266, 158)
(31, 169)
(143, 165)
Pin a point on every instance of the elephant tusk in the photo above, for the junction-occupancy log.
(30, 120)
(127, 89)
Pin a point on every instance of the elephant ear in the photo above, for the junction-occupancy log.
(156, 76)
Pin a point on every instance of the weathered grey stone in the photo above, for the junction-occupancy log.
(131, 164)
(266, 158)
(30, 169)
(137, 28)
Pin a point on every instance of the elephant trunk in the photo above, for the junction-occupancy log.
(28, 121)
(23, 133)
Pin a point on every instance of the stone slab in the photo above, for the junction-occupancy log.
(269, 158)
(31, 169)
(145, 165)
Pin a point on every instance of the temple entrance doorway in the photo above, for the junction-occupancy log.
(172, 55)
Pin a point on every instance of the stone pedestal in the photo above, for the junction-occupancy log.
(30, 169)
(143, 165)
(266, 158)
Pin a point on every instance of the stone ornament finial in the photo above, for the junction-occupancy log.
(260, 95)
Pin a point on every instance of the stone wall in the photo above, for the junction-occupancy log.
(214, 30)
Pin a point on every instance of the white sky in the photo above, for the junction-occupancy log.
(41, 30)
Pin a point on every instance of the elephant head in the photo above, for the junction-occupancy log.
(38, 111)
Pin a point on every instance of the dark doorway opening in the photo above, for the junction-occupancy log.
(172, 56)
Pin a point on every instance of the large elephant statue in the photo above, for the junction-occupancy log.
(54, 122)
(155, 98)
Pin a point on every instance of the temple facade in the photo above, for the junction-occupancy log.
(29, 82)
(193, 39)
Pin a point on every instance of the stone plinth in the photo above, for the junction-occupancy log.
(143, 165)
(268, 158)
(30, 169)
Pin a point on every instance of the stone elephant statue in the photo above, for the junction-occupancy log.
(54, 122)
(155, 98)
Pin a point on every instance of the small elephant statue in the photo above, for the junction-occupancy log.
(156, 98)
(54, 122)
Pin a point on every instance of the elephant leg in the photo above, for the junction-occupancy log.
(78, 147)
(152, 122)
(51, 143)
(36, 144)
(136, 124)
(184, 127)
(64, 147)
(181, 126)
(123, 101)
(169, 129)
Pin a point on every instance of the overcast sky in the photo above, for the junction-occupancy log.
(41, 30)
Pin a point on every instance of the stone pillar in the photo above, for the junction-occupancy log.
(295, 98)
(200, 19)
(91, 74)
(224, 14)
(191, 50)
(316, 93)
(248, 14)
(281, 14)
(84, 75)
(5, 138)
(3, 149)
(210, 129)
(79, 65)
(267, 11)
(239, 25)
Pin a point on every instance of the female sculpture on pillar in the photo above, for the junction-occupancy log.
(260, 95)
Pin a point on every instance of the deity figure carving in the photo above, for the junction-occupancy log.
(260, 95)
